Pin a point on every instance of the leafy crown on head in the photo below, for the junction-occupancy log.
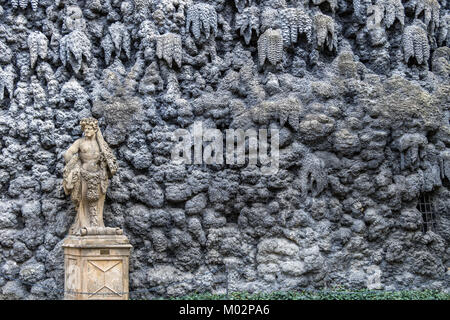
(89, 122)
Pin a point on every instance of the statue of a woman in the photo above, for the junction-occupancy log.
(89, 164)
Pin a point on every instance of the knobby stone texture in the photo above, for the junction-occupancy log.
(358, 89)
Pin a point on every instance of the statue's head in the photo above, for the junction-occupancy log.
(89, 126)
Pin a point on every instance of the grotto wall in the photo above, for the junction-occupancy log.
(358, 89)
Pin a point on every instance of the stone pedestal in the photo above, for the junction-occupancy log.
(96, 267)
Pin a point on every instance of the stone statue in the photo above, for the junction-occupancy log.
(89, 164)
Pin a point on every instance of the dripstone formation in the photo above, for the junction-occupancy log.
(358, 89)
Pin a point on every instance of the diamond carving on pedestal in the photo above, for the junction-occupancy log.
(104, 277)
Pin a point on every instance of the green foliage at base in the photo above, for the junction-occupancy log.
(335, 294)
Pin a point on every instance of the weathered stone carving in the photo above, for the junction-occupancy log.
(313, 176)
(295, 21)
(430, 10)
(270, 47)
(76, 45)
(24, 3)
(38, 93)
(37, 43)
(89, 164)
(286, 111)
(415, 43)
(247, 22)
(412, 149)
(116, 40)
(325, 31)
(73, 19)
(168, 47)
(7, 76)
(386, 11)
(201, 17)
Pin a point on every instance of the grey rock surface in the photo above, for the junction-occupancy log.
(360, 91)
